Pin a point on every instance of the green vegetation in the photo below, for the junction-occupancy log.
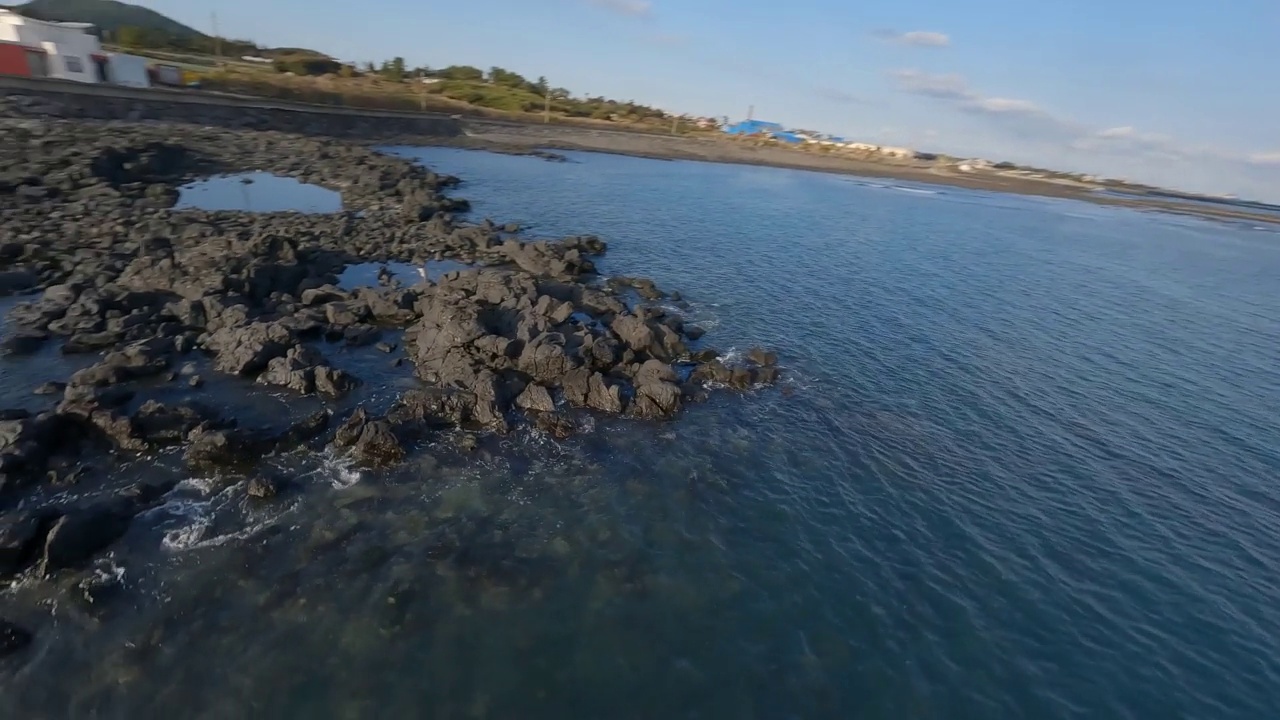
(303, 64)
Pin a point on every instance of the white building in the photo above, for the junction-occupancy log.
(128, 70)
(897, 152)
(58, 50)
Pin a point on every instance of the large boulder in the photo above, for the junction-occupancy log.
(296, 370)
(248, 350)
(584, 388)
(545, 359)
(656, 400)
(536, 397)
(80, 534)
(160, 424)
(371, 440)
(633, 331)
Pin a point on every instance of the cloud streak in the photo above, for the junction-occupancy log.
(631, 8)
(915, 38)
(1030, 121)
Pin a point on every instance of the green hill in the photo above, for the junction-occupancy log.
(108, 15)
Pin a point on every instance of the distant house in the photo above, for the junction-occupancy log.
(35, 48)
(897, 152)
(788, 137)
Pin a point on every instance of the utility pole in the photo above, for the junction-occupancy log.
(546, 106)
(751, 112)
(675, 124)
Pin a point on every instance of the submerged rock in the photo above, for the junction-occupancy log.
(13, 639)
(264, 487)
(80, 534)
(21, 533)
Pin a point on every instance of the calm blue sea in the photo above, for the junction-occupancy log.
(1024, 464)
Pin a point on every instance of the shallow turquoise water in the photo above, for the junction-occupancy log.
(1023, 466)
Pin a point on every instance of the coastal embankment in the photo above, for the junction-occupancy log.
(79, 101)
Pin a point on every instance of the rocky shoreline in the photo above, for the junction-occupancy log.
(109, 270)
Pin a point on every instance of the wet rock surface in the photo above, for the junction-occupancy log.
(167, 309)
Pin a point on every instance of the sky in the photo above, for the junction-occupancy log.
(1171, 92)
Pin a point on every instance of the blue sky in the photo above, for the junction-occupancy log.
(1179, 93)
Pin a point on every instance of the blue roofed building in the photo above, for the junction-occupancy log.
(754, 127)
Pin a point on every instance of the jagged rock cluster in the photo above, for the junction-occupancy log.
(88, 230)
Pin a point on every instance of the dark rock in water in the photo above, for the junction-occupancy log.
(264, 487)
(323, 295)
(21, 534)
(51, 388)
(557, 425)
(656, 400)
(160, 424)
(304, 430)
(195, 381)
(536, 397)
(14, 414)
(334, 382)
(644, 287)
(583, 388)
(469, 442)
(23, 342)
(80, 534)
(763, 358)
(655, 371)
(347, 313)
(765, 376)
(214, 448)
(143, 495)
(13, 639)
(89, 342)
(361, 335)
(296, 370)
(704, 356)
(373, 441)
(248, 350)
(693, 332)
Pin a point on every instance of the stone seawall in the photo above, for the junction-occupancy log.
(23, 97)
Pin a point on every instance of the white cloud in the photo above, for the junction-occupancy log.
(634, 8)
(1006, 106)
(915, 38)
(1161, 157)
(944, 87)
(1116, 132)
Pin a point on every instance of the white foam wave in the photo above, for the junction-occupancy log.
(339, 471)
(188, 536)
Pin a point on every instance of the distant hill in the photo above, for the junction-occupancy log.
(108, 15)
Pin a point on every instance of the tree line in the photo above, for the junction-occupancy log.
(497, 88)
